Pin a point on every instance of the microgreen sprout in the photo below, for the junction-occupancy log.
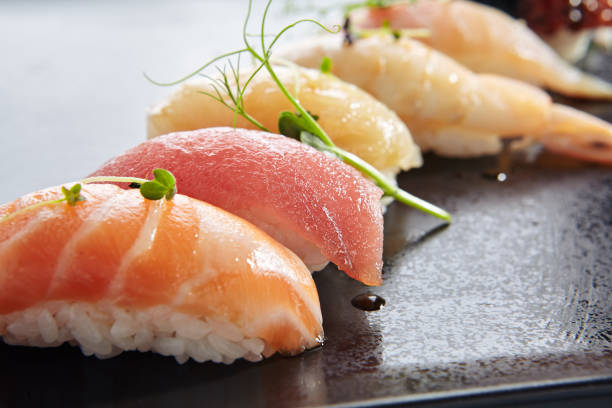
(384, 30)
(73, 195)
(301, 124)
(162, 185)
(326, 65)
(351, 32)
(374, 4)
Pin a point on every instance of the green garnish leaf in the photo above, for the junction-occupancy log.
(152, 190)
(326, 65)
(292, 124)
(370, 3)
(288, 125)
(163, 185)
(73, 195)
(165, 178)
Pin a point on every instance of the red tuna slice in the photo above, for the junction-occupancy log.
(316, 205)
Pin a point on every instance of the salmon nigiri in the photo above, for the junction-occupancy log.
(119, 272)
(314, 204)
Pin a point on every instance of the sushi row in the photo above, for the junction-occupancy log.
(222, 270)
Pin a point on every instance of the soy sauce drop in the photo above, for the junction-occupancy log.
(368, 302)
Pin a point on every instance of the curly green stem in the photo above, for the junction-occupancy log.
(112, 179)
(381, 181)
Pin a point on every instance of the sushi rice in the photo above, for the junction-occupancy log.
(105, 330)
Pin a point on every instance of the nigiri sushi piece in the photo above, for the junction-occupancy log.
(314, 204)
(118, 272)
(486, 40)
(451, 110)
(354, 120)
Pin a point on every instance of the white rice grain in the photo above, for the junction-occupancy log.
(124, 343)
(182, 358)
(115, 351)
(63, 334)
(255, 346)
(253, 358)
(82, 328)
(202, 351)
(62, 317)
(47, 326)
(143, 339)
(123, 327)
(226, 329)
(25, 328)
(226, 347)
(169, 346)
(189, 327)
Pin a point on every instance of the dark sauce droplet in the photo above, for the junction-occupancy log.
(368, 302)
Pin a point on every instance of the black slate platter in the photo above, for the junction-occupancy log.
(511, 303)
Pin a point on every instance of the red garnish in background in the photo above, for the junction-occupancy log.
(548, 16)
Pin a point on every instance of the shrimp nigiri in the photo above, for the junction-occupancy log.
(119, 272)
(451, 110)
(486, 40)
(314, 204)
(353, 119)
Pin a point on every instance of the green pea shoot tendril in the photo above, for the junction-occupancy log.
(301, 125)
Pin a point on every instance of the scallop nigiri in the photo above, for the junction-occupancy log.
(354, 120)
(118, 272)
(486, 40)
(451, 110)
(314, 204)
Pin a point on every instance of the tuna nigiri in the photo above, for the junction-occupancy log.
(119, 272)
(314, 204)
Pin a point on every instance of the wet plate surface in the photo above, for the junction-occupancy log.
(516, 293)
